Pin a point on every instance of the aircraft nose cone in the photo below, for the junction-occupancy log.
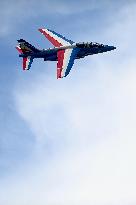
(111, 48)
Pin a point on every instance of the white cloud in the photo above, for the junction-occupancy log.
(89, 120)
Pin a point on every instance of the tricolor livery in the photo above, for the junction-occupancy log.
(64, 52)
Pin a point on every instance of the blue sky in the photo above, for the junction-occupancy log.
(70, 140)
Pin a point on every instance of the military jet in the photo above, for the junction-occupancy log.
(64, 51)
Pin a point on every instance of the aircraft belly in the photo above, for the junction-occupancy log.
(50, 58)
(85, 52)
(46, 56)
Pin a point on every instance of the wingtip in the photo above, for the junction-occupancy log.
(41, 30)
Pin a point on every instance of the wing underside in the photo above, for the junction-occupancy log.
(65, 61)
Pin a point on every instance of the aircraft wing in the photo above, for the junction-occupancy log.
(65, 61)
(56, 39)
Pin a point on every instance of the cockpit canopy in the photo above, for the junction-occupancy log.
(89, 45)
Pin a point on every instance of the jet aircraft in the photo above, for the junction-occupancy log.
(64, 52)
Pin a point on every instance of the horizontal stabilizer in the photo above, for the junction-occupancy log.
(27, 62)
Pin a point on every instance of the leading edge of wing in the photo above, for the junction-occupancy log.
(55, 38)
(65, 61)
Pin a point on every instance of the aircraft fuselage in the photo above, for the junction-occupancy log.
(84, 49)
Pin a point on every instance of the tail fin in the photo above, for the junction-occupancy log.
(25, 47)
(27, 62)
(19, 49)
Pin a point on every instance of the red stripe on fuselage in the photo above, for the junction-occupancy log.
(60, 55)
(51, 39)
